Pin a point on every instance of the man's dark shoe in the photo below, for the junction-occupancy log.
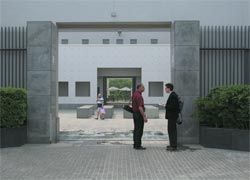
(140, 148)
(170, 148)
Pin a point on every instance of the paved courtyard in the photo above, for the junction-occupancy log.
(114, 160)
(73, 128)
(102, 149)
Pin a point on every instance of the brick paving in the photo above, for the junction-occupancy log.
(114, 160)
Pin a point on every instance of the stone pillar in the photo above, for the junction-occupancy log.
(42, 78)
(185, 74)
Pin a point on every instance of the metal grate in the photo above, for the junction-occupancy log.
(224, 56)
(13, 54)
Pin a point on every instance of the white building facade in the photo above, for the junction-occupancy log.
(92, 55)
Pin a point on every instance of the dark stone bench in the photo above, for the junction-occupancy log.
(85, 111)
(109, 109)
(152, 112)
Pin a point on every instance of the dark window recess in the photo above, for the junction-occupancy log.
(154, 41)
(133, 41)
(85, 41)
(65, 41)
(119, 41)
(63, 89)
(155, 89)
(105, 41)
(83, 89)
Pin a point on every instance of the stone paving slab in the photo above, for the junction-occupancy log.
(82, 135)
(69, 122)
(90, 160)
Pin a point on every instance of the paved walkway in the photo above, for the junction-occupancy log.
(73, 128)
(69, 122)
(114, 160)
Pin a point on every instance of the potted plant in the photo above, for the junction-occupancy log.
(13, 116)
(224, 117)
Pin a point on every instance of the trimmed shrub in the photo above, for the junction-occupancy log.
(13, 107)
(225, 107)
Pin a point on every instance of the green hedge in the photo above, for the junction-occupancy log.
(13, 107)
(225, 107)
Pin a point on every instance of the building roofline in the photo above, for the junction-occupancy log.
(138, 24)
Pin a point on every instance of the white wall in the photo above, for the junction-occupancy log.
(209, 12)
(80, 63)
(95, 36)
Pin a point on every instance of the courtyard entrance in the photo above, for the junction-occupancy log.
(112, 67)
(43, 76)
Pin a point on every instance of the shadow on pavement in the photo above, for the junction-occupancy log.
(188, 148)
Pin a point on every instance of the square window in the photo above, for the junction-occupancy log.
(133, 41)
(119, 41)
(155, 89)
(105, 41)
(63, 89)
(83, 89)
(85, 41)
(65, 41)
(154, 41)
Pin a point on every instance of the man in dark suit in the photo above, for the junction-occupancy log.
(172, 111)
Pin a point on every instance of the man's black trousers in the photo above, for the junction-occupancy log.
(138, 128)
(172, 132)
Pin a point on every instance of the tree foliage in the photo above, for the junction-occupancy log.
(118, 95)
(120, 83)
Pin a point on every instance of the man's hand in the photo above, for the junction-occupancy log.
(143, 114)
(162, 104)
